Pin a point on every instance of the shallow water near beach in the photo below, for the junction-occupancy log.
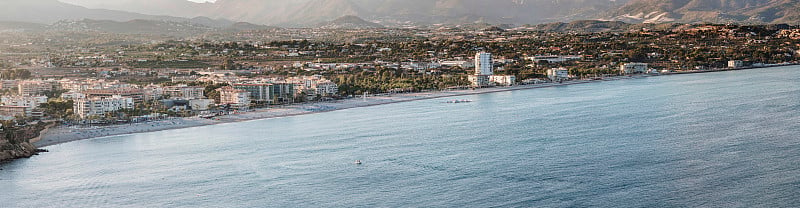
(727, 139)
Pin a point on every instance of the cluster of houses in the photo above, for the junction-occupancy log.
(98, 97)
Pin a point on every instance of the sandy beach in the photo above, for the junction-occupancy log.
(63, 134)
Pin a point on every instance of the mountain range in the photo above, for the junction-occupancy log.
(387, 12)
(311, 13)
(720, 11)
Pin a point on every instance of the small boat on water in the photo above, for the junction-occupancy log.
(459, 101)
(358, 162)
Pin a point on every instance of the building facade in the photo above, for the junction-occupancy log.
(36, 87)
(558, 74)
(314, 86)
(479, 80)
(258, 92)
(634, 68)
(735, 64)
(282, 93)
(200, 104)
(27, 101)
(236, 98)
(185, 92)
(97, 106)
(484, 69)
(14, 111)
(72, 95)
(326, 88)
(503, 80)
(484, 65)
(136, 94)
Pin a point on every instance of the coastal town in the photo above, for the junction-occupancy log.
(399, 103)
(118, 84)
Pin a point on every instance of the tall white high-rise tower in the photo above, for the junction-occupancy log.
(484, 65)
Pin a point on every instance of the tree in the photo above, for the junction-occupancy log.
(54, 93)
(211, 91)
(57, 108)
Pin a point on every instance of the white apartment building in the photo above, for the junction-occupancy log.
(633, 68)
(27, 101)
(326, 88)
(100, 106)
(91, 84)
(36, 87)
(200, 104)
(72, 95)
(238, 99)
(484, 65)
(558, 74)
(185, 92)
(484, 68)
(503, 80)
(479, 80)
(153, 92)
(735, 64)
(314, 85)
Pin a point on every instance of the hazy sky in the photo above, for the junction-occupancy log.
(202, 0)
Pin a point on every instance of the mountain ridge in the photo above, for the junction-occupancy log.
(349, 22)
(403, 13)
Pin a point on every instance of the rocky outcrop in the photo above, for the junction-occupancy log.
(16, 142)
(14, 151)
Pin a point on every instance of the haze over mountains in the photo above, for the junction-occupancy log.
(309, 13)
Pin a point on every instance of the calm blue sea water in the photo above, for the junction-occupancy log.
(726, 139)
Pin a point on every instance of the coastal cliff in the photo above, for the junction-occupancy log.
(17, 142)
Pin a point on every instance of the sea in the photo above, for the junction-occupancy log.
(725, 139)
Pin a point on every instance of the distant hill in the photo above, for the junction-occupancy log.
(149, 27)
(349, 22)
(218, 23)
(134, 27)
(52, 11)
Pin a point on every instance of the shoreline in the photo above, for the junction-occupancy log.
(62, 134)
